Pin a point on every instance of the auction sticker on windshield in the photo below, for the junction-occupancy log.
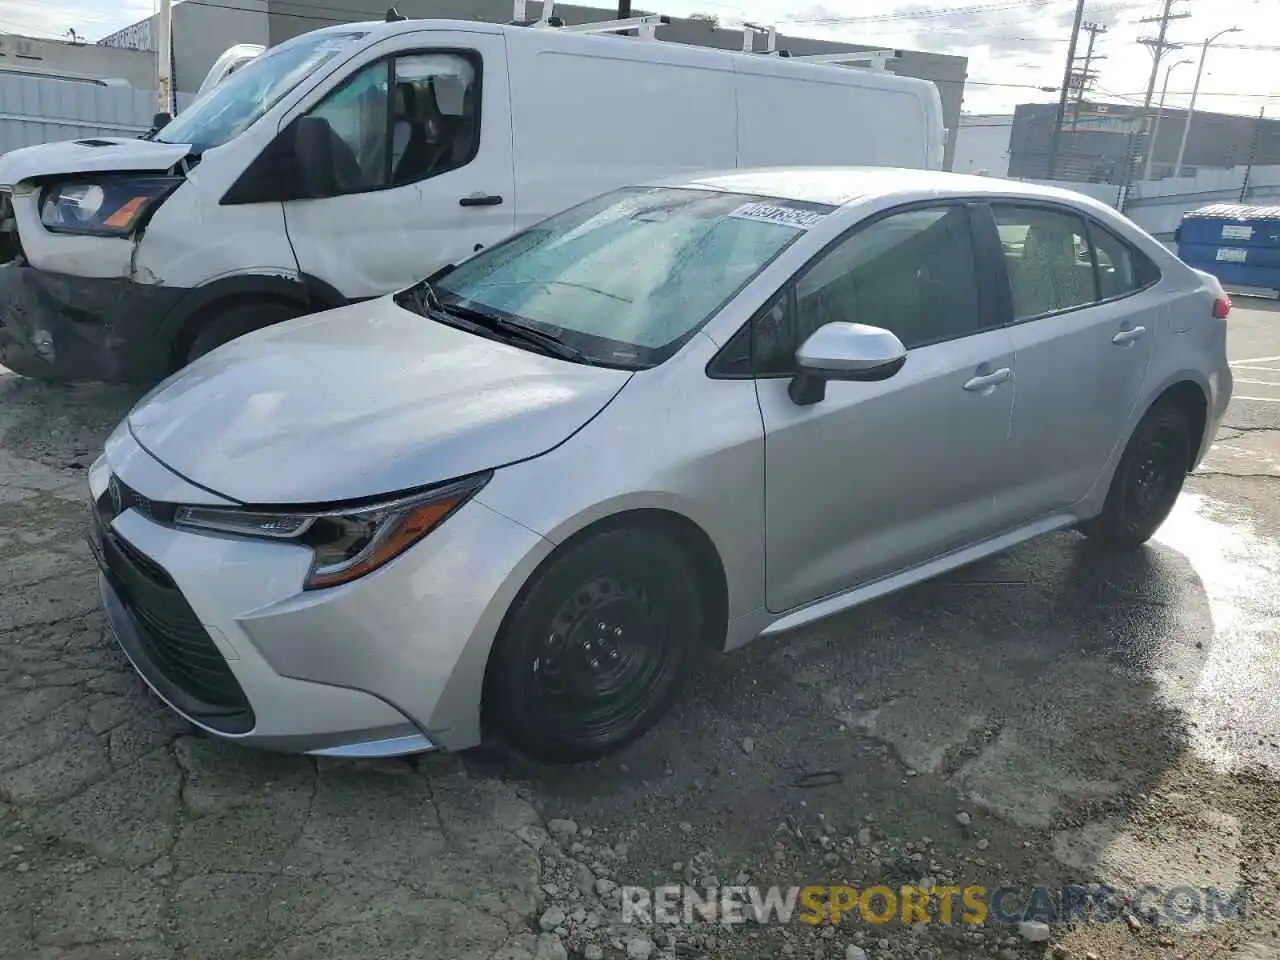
(785, 216)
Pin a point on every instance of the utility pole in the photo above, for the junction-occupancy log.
(1055, 140)
(1253, 155)
(164, 58)
(1086, 76)
(1158, 45)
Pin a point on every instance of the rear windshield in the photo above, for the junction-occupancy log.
(225, 111)
(629, 277)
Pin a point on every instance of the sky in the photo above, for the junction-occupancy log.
(1013, 47)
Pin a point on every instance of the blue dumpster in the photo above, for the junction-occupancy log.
(1237, 243)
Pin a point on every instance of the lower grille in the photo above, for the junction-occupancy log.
(174, 643)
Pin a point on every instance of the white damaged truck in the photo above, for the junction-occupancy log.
(354, 160)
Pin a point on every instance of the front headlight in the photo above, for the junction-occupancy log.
(110, 207)
(347, 543)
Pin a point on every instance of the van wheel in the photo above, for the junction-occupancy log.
(1147, 481)
(236, 321)
(597, 647)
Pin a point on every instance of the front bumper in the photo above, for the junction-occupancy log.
(65, 328)
(392, 663)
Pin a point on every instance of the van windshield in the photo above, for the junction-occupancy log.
(226, 110)
(626, 279)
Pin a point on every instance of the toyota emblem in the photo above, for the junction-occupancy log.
(117, 497)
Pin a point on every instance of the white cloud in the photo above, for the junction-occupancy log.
(89, 18)
(1015, 47)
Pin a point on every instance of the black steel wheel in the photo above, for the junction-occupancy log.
(594, 651)
(1147, 480)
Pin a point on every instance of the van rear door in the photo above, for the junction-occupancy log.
(421, 136)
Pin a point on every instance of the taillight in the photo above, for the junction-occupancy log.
(1221, 307)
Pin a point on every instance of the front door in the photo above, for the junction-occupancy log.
(422, 147)
(880, 476)
(1083, 334)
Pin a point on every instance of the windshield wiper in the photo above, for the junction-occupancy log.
(547, 342)
(422, 299)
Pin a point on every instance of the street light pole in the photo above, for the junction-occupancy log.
(1195, 90)
(1155, 127)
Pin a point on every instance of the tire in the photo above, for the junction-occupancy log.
(596, 648)
(236, 321)
(1147, 480)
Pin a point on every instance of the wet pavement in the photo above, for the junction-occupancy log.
(1052, 716)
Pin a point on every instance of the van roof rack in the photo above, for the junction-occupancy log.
(646, 25)
(647, 29)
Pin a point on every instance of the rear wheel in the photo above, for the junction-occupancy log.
(596, 649)
(236, 321)
(1147, 480)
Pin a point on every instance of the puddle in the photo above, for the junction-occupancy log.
(1230, 688)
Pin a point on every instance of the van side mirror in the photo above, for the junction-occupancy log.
(313, 157)
(844, 351)
(160, 120)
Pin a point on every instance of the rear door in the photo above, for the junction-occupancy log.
(1084, 321)
(422, 137)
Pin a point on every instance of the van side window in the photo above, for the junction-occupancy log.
(357, 114)
(1047, 255)
(403, 120)
(434, 122)
(912, 272)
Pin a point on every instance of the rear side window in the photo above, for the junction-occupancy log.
(1048, 260)
(1121, 268)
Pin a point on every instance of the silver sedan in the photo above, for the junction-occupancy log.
(523, 495)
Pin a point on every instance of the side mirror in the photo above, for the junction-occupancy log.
(160, 120)
(844, 351)
(313, 157)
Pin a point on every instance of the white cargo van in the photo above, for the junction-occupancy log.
(354, 160)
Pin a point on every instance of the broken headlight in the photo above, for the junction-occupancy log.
(111, 207)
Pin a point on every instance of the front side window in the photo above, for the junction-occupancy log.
(1048, 260)
(913, 273)
(629, 277)
(226, 110)
(403, 120)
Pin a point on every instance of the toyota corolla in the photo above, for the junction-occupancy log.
(524, 494)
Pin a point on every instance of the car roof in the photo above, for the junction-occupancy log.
(841, 186)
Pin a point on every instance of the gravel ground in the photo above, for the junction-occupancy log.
(1048, 717)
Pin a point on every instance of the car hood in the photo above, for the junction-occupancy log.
(359, 402)
(90, 155)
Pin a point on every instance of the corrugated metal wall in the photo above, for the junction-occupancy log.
(45, 109)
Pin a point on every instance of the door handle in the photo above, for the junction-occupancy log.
(993, 379)
(1129, 335)
(480, 200)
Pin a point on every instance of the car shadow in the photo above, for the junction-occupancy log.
(1036, 691)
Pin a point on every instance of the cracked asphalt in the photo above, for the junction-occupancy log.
(1050, 716)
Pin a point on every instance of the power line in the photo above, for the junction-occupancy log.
(1055, 139)
(928, 13)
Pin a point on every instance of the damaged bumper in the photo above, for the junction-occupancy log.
(60, 327)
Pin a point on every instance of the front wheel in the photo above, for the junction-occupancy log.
(235, 321)
(1147, 480)
(595, 650)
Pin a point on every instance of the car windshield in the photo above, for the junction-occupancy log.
(226, 110)
(629, 277)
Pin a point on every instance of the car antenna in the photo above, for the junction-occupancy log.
(394, 15)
